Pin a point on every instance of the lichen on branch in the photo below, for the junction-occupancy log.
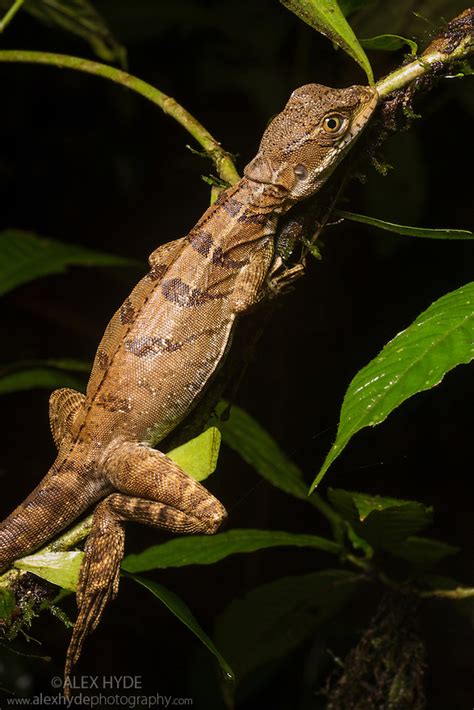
(454, 44)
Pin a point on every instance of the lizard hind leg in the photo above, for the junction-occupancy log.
(140, 471)
(152, 490)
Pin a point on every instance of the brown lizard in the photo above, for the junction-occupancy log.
(160, 350)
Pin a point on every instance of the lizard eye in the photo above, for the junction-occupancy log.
(333, 124)
(301, 172)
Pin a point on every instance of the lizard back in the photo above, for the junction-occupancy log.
(166, 340)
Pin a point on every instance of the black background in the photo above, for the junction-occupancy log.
(87, 162)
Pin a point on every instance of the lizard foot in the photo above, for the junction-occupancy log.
(99, 578)
(100, 570)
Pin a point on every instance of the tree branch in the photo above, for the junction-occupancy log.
(222, 160)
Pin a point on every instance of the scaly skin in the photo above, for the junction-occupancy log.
(160, 350)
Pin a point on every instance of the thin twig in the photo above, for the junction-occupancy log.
(456, 593)
(222, 160)
(10, 14)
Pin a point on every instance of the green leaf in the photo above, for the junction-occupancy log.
(245, 435)
(47, 374)
(38, 378)
(415, 360)
(254, 444)
(326, 17)
(183, 613)
(422, 552)
(273, 619)
(7, 602)
(363, 503)
(350, 6)
(198, 457)
(389, 43)
(359, 543)
(423, 232)
(25, 256)
(205, 550)
(80, 18)
(63, 363)
(61, 568)
(380, 521)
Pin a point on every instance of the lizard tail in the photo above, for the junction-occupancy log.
(64, 493)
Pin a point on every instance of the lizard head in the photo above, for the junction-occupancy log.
(304, 143)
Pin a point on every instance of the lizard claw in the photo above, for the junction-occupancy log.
(98, 581)
(87, 620)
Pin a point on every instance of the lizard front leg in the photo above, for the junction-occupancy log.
(152, 490)
(249, 284)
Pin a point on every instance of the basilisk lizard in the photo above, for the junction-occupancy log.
(160, 350)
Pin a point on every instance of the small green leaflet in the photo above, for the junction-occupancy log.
(380, 521)
(25, 256)
(417, 359)
(353, 505)
(423, 232)
(389, 43)
(61, 568)
(326, 17)
(7, 602)
(184, 614)
(198, 457)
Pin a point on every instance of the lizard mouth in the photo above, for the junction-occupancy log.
(267, 170)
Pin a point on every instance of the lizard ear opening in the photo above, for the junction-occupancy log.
(301, 171)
